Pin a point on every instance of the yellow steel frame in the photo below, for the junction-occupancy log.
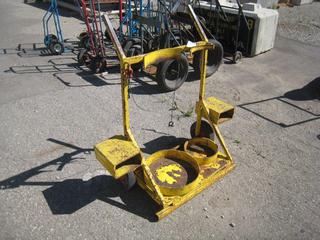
(109, 155)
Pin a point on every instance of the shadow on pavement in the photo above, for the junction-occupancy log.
(162, 143)
(21, 179)
(45, 6)
(311, 91)
(307, 93)
(70, 195)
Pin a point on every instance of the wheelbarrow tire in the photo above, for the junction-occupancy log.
(205, 130)
(129, 43)
(49, 38)
(84, 42)
(236, 57)
(98, 65)
(82, 35)
(82, 57)
(56, 47)
(214, 60)
(128, 181)
(166, 80)
(134, 51)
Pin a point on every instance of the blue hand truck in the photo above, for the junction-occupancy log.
(54, 43)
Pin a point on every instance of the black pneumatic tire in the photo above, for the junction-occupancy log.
(205, 130)
(83, 57)
(172, 73)
(215, 57)
(84, 42)
(98, 65)
(134, 51)
(236, 57)
(56, 47)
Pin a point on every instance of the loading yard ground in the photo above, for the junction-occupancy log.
(52, 113)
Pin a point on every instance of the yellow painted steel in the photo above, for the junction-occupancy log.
(201, 156)
(113, 152)
(117, 153)
(219, 111)
(183, 156)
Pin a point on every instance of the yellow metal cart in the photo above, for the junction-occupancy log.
(170, 177)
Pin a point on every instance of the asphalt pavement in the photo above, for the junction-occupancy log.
(52, 112)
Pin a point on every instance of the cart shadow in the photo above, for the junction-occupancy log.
(59, 71)
(22, 178)
(45, 6)
(67, 12)
(71, 195)
(40, 50)
(309, 92)
(145, 84)
(193, 76)
(163, 143)
(29, 50)
(150, 86)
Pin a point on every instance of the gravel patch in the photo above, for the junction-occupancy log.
(301, 23)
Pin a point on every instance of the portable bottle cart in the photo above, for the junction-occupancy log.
(170, 177)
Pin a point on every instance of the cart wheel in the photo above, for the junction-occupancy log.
(83, 57)
(82, 35)
(236, 57)
(128, 180)
(56, 47)
(205, 130)
(84, 42)
(126, 45)
(214, 60)
(134, 51)
(172, 73)
(49, 39)
(129, 42)
(180, 37)
(98, 65)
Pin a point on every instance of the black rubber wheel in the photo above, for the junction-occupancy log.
(236, 57)
(205, 130)
(56, 48)
(82, 35)
(49, 39)
(126, 45)
(98, 65)
(128, 181)
(172, 73)
(107, 36)
(214, 60)
(129, 42)
(134, 51)
(180, 36)
(83, 57)
(84, 42)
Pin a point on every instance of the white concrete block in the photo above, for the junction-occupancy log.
(301, 2)
(263, 3)
(265, 26)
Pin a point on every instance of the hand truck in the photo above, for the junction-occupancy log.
(54, 43)
(94, 55)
